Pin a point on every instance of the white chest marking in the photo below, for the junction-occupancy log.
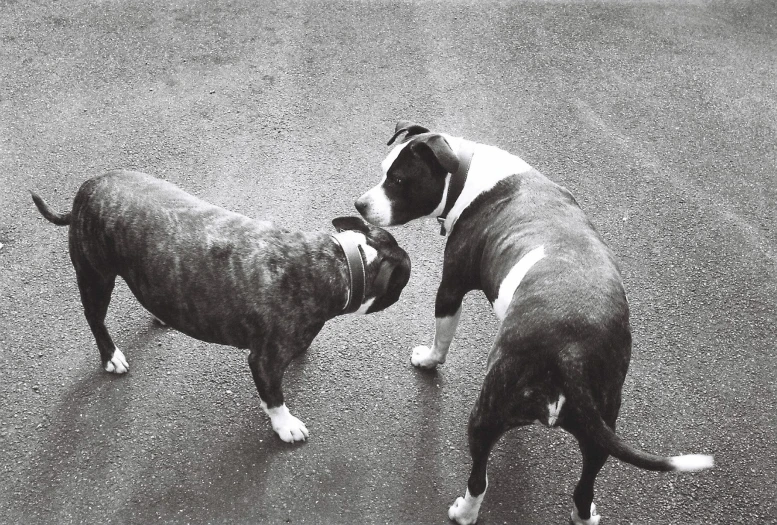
(554, 409)
(489, 166)
(513, 279)
(365, 306)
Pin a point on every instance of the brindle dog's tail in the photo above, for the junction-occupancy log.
(60, 219)
(594, 427)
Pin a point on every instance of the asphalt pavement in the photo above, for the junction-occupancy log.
(660, 117)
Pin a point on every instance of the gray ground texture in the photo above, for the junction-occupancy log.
(661, 118)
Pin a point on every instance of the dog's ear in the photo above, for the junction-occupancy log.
(350, 223)
(409, 127)
(392, 276)
(435, 148)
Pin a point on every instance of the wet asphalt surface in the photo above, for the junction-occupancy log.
(659, 117)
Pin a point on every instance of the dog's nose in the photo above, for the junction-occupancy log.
(361, 205)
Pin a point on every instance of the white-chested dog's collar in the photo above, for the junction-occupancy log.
(491, 166)
(466, 150)
(357, 274)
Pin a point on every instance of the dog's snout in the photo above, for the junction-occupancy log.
(361, 205)
(375, 207)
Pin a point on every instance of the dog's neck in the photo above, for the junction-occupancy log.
(456, 181)
(336, 281)
(357, 271)
(323, 268)
(489, 166)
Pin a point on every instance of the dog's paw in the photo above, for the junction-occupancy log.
(118, 363)
(464, 511)
(424, 357)
(575, 518)
(288, 427)
(291, 430)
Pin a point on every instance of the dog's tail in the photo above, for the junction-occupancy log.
(60, 219)
(593, 426)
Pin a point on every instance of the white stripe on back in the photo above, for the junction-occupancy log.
(513, 279)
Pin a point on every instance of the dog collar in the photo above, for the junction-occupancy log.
(356, 274)
(456, 185)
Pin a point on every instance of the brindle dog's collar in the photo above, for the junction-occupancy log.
(456, 185)
(356, 272)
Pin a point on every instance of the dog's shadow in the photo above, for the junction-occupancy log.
(78, 437)
(445, 429)
(430, 443)
(94, 448)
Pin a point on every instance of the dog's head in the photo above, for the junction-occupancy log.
(386, 264)
(414, 178)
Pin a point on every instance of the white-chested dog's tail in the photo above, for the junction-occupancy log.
(593, 426)
(60, 219)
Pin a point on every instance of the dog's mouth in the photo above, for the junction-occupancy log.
(377, 220)
(375, 207)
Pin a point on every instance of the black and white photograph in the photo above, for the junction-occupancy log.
(505, 262)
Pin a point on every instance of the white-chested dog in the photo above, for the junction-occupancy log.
(564, 345)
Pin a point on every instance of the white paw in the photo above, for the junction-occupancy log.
(291, 430)
(575, 518)
(117, 364)
(424, 357)
(463, 512)
(288, 427)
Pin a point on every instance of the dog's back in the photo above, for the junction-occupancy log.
(168, 246)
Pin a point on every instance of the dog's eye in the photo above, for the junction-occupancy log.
(399, 181)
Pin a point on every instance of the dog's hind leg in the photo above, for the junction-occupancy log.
(482, 439)
(488, 421)
(593, 461)
(594, 458)
(95, 297)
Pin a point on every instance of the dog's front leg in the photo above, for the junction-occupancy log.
(447, 310)
(267, 367)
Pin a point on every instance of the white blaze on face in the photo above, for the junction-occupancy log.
(513, 280)
(377, 204)
(391, 157)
